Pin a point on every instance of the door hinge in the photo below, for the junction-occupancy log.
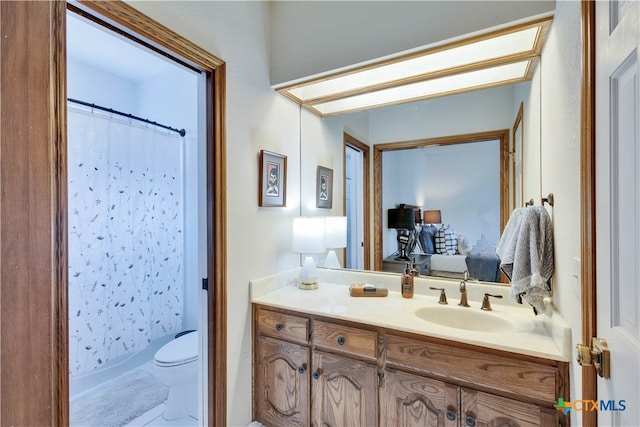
(205, 283)
(597, 355)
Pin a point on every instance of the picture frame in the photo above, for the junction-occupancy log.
(324, 188)
(272, 188)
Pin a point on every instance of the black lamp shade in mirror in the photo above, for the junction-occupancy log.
(401, 218)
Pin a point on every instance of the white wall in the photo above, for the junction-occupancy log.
(561, 89)
(86, 83)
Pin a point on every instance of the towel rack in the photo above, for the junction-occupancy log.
(548, 199)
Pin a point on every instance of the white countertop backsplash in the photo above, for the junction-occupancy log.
(546, 335)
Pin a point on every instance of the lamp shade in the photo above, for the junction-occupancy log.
(335, 232)
(308, 235)
(401, 218)
(432, 217)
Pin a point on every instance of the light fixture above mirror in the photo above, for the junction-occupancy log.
(499, 57)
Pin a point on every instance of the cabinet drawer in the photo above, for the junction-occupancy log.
(345, 339)
(283, 326)
(483, 369)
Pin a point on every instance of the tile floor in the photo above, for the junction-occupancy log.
(153, 418)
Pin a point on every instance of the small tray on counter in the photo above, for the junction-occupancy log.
(367, 290)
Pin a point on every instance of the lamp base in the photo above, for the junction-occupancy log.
(308, 274)
(308, 286)
(332, 260)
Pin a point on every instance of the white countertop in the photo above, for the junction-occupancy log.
(545, 335)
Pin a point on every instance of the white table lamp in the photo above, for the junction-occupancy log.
(335, 238)
(308, 238)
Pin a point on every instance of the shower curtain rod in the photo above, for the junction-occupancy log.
(181, 132)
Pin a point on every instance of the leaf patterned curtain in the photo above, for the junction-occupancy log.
(126, 278)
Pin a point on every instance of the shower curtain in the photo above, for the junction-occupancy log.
(126, 279)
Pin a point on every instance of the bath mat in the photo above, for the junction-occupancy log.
(118, 401)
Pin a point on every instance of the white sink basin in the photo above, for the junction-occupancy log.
(471, 319)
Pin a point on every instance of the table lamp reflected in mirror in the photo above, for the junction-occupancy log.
(432, 217)
(403, 220)
(335, 238)
(308, 236)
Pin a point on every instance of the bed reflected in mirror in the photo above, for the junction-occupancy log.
(455, 186)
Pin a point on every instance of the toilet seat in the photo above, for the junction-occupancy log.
(180, 351)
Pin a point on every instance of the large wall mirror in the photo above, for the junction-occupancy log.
(454, 153)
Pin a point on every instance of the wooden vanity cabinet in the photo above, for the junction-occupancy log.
(343, 391)
(338, 388)
(282, 359)
(493, 389)
(313, 371)
(411, 400)
(282, 383)
(484, 409)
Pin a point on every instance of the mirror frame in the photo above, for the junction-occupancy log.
(502, 135)
(516, 163)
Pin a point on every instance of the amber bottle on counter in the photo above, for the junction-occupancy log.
(406, 286)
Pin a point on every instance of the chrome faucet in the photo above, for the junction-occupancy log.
(463, 290)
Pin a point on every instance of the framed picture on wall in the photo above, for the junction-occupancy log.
(324, 188)
(273, 179)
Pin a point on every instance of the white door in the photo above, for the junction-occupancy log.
(618, 208)
(355, 205)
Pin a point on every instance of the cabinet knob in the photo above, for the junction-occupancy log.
(451, 415)
(278, 326)
(315, 375)
(302, 368)
(470, 421)
(341, 340)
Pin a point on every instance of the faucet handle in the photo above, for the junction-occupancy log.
(443, 295)
(486, 305)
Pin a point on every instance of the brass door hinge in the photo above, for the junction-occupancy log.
(597, 355)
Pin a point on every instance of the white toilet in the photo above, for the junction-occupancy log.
(176, 364)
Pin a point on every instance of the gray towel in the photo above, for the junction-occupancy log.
(526, 255)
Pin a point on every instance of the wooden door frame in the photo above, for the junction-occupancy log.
(350, 141)
(140, 26)
(501, 135)
(33, 222)
(588, 201)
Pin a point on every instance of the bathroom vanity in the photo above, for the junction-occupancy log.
(324, 358)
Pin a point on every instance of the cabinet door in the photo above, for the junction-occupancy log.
(411, 400)
(343, 392)
(483, 409)
(281, 383)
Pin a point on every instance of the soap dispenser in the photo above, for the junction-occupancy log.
(407, 283)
